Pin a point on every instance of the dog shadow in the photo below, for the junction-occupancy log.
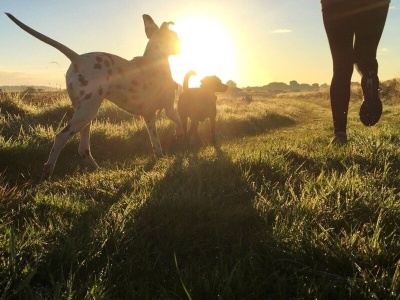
(199, 211)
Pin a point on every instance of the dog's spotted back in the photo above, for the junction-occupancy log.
(141, 86)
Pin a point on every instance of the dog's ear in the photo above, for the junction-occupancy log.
(165, 25)
(149, 26)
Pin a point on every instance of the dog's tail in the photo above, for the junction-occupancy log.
(73, 56)
(186, 79)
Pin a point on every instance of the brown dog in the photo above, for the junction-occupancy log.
(198, 104)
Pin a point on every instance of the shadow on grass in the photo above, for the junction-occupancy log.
(202, 213)
(253, 126)
(194, 226)
(73, 246)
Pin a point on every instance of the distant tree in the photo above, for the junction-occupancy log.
(390, 89)
(304, 87)
(233, 90)
(324, 86)
(277, 86)
(315, 86)
(29, 90)
(231, 84)
(294, 83)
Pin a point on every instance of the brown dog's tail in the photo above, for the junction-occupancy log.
(73, 56)
(186, 80)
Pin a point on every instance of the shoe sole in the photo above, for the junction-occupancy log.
(370, 112)
(371, 108)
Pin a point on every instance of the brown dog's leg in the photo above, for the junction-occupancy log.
(184, 120)
(212, 128)
(194, 131)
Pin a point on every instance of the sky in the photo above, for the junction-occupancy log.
(252, 43)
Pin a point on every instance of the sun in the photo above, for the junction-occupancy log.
(206, 48)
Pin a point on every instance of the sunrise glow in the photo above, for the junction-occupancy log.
(207, 48)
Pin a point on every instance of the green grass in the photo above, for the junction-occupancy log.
(272, 213)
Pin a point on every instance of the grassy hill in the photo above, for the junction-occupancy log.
(273, 212)
(24, 88)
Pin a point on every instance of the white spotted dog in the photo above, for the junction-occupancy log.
(141, 86)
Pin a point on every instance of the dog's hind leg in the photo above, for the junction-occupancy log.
(152, 130)
(84, 148)
(194, 132)
(184, 120)
(82, 117)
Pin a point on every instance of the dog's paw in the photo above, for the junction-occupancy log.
(179, 133)
(179, 137)
(47, 170)
(159, 154)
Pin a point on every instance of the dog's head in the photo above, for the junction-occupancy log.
(213, 84)
(161, 39)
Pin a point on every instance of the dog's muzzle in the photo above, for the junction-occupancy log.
(177, 49)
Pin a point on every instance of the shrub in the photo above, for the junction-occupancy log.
(390, 89)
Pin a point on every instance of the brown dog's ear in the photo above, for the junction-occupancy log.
(149, 26)
(166, 25)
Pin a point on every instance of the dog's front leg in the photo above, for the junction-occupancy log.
(172, 114)
(152, 130)
(212, 128)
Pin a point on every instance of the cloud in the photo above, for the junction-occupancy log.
(383, 51)
(8, 77)
(278, 31)
(30, 77)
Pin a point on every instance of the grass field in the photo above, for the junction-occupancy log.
(273, 212)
